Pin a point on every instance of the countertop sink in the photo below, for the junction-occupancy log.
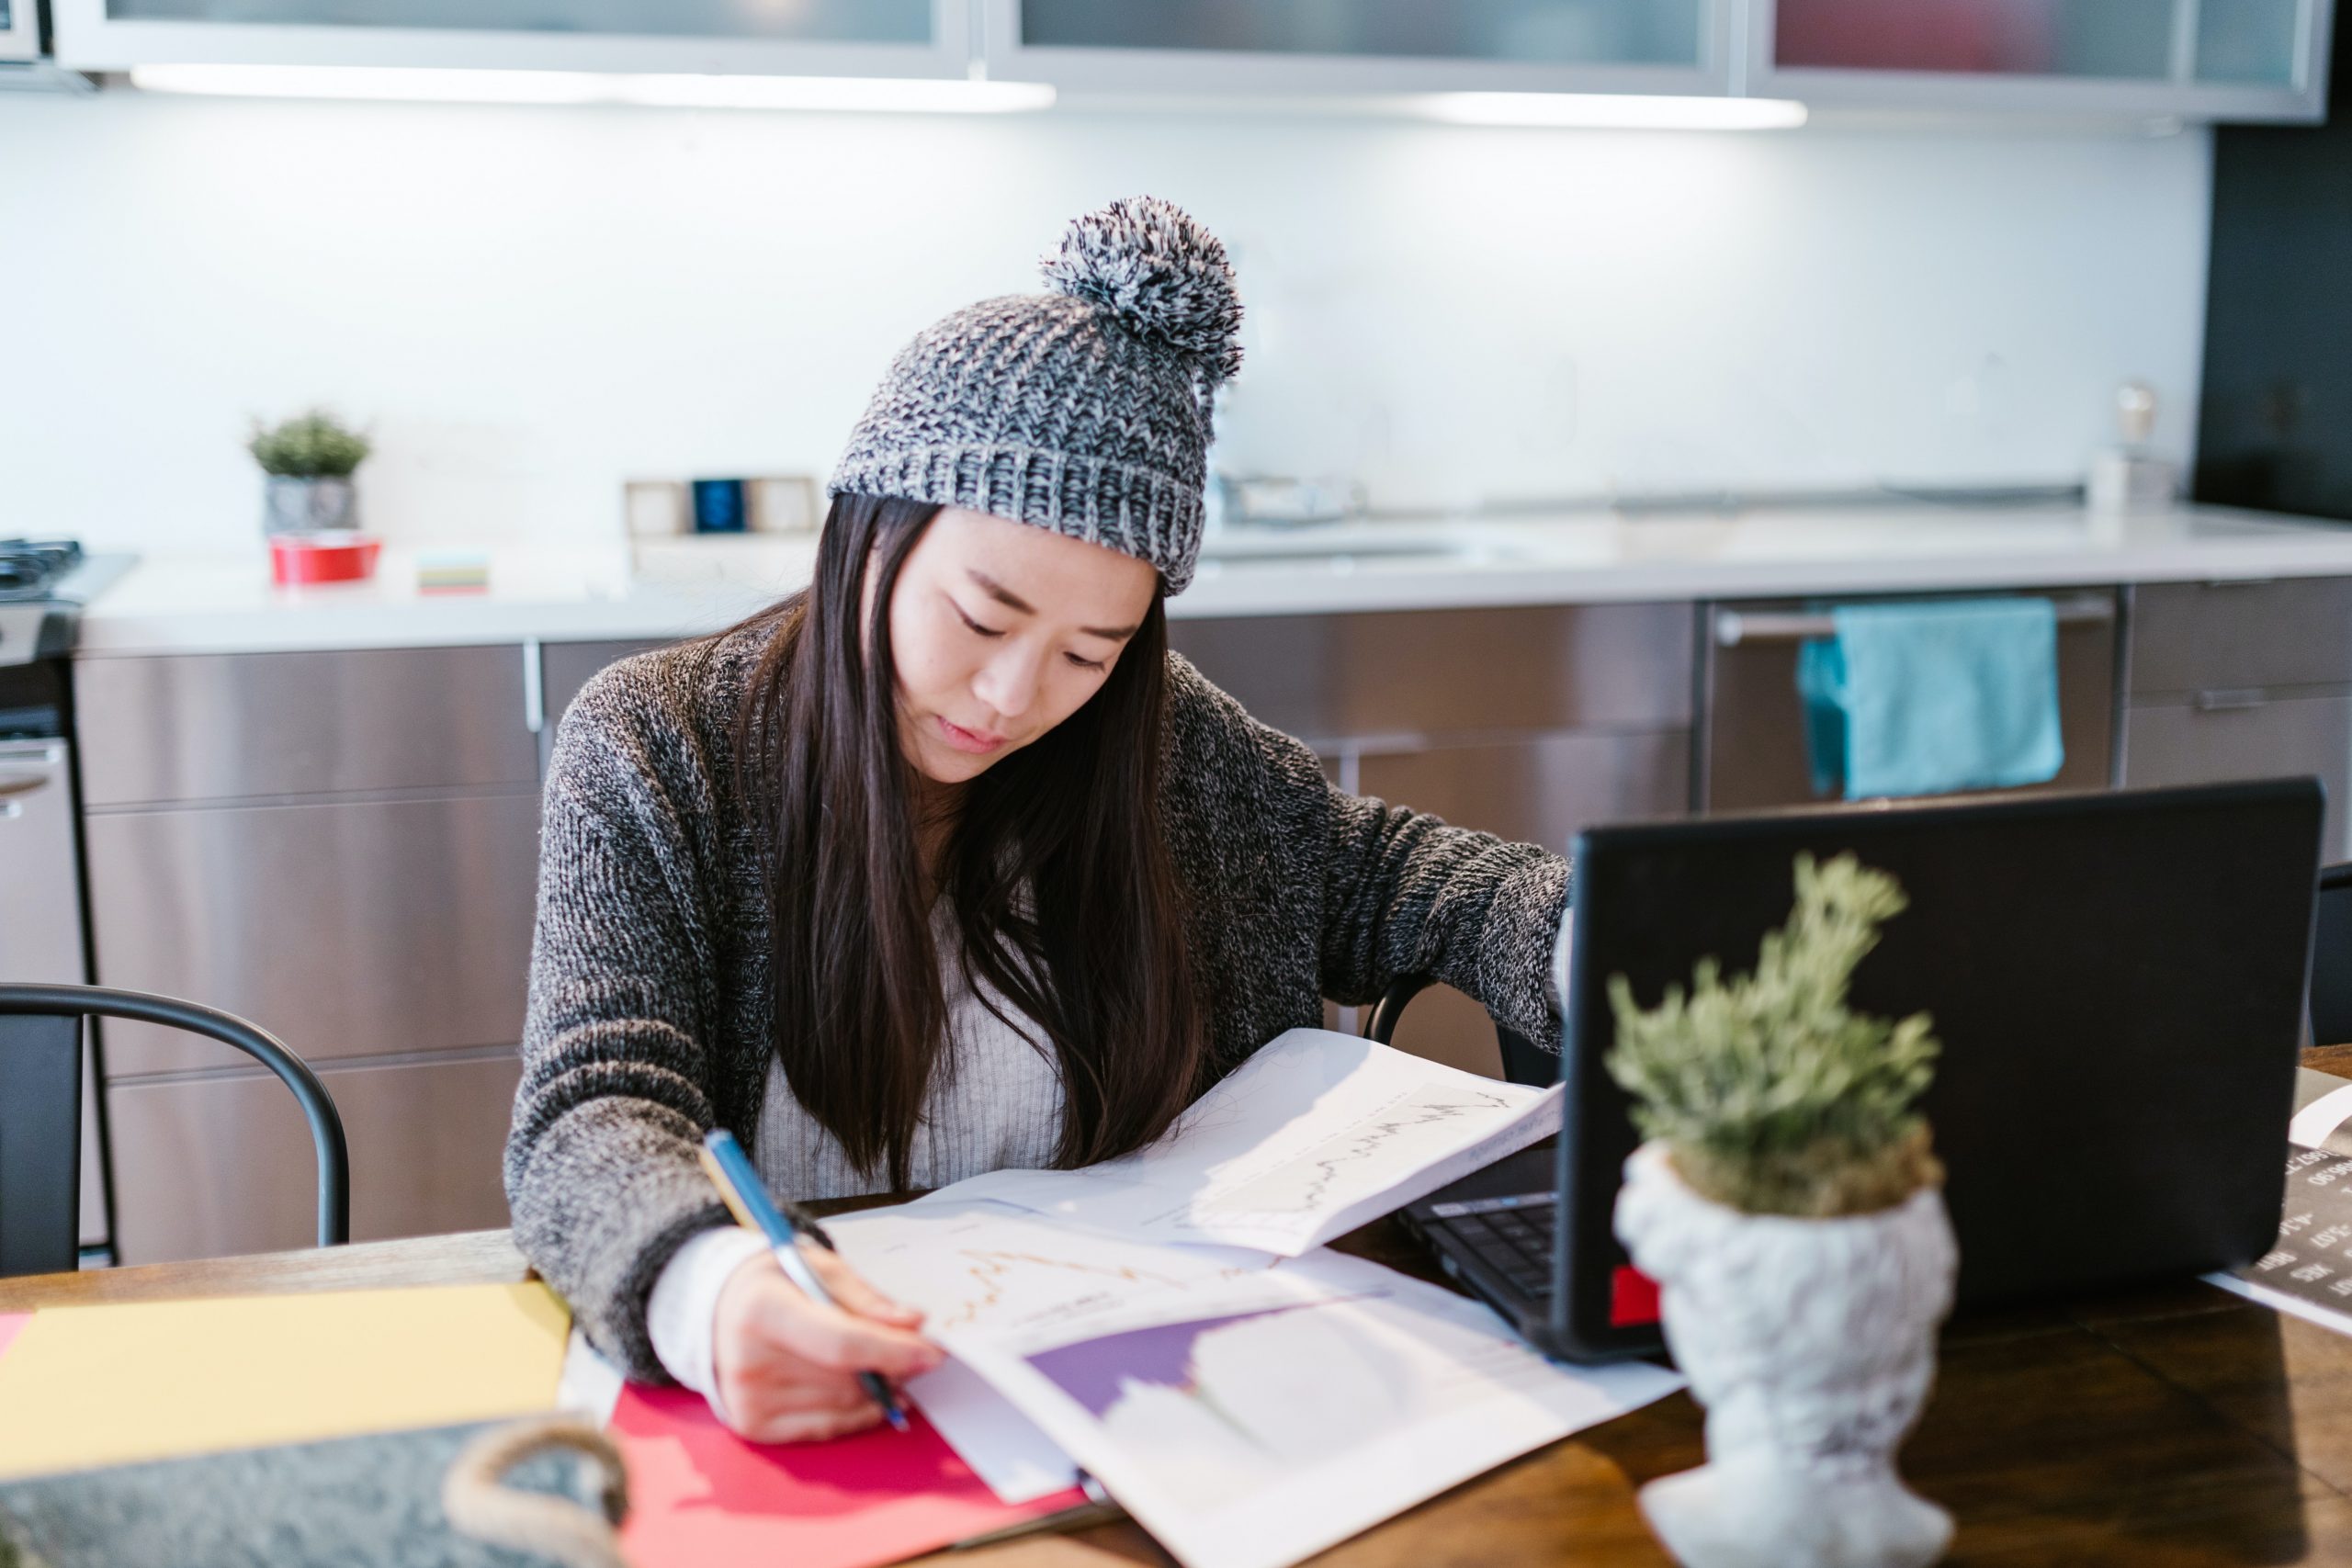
(1343, 546)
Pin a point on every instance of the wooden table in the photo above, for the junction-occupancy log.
(2171, 1426)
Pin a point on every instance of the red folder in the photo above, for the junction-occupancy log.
(702, 1497)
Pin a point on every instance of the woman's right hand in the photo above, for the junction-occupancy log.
(787, 1365)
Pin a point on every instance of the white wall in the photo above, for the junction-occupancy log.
(528, 305)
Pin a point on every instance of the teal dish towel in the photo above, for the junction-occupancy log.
(1929, 696)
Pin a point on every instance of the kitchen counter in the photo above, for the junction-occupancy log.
(226, 603)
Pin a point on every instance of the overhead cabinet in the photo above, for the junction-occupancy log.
(807, 38)
(19, 29)
(2219, 60)
(1370, 46)
(2205, 60)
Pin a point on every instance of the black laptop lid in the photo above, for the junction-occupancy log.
(2117, 980)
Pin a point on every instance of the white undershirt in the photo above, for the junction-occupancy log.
(995, 1104)
(997, 1107)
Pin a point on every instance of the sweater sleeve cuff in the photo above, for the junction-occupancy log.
(679, 1313)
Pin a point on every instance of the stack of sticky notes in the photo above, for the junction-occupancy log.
(452, 572)
(84, 1386)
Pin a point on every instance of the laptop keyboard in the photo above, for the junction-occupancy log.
(1511, 1236)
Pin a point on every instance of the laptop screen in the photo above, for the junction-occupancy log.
(2117, 980)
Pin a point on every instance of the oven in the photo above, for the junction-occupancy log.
(1751, 753)
(44, 923)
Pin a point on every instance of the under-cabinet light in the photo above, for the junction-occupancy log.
(420, 85)
(1626, 111)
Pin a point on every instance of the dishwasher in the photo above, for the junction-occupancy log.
(1752, 747)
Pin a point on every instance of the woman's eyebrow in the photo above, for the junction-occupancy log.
(1011, 601)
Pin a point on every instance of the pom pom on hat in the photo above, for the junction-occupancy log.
(1161, 274)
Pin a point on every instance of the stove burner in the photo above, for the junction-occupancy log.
(28, 567)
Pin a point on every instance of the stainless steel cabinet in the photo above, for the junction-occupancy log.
(2245, 679)
(343, 847)
(564, 668)
(1541, 789)
(2249, 736)
(2214, 636)
(1531, 723)
(233, 727)
(1412, 673)
(221, 1164)
(347, 928)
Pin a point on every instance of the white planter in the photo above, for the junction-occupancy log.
(1812, 1345)
(291, 505)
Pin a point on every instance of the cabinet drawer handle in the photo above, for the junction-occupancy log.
(21, 784)
(2228, 702)
(1733, 627)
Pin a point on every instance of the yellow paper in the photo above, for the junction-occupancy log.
(98, 1385)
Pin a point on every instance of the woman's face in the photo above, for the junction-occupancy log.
(1001, 631)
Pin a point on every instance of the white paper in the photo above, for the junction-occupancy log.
(1315, 1135)
(1260, 1419)
(589, 1385)
(2317, 1122)
(982, 1265)
(1004, 1447)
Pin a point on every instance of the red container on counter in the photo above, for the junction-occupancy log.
(297, 558)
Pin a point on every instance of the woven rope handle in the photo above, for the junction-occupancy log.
(479, 1504)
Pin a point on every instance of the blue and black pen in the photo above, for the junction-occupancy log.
(747, 1199)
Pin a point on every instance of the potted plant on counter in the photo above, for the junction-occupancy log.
(309, 460)
(1788, 1205)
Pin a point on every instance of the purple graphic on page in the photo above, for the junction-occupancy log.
(1094, 1371)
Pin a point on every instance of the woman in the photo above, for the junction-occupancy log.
(947, 865)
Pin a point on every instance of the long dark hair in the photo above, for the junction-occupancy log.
(1063, 895)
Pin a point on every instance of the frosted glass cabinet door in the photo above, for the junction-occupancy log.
(19, 29)
(1304, 46)
(837, 21)
(2113, 39)
(852, 38)
(2249, 41)
(1578, 32)
(2215, 60)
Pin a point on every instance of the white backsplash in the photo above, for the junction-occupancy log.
(526, 306)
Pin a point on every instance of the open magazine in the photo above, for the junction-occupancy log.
(2308, 1272)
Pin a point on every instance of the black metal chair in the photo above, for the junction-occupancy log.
(41, 1113)
(2331, 958)
(1523, 1060)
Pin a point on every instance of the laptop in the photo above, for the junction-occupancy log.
(2117, 981)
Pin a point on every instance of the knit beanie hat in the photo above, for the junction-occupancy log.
(1084, 410)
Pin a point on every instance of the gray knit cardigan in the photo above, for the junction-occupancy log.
(649, 1020)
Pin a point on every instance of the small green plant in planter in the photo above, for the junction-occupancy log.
(308, 446)
(1791, 1209)
(1772, 1096)
(310, 460)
